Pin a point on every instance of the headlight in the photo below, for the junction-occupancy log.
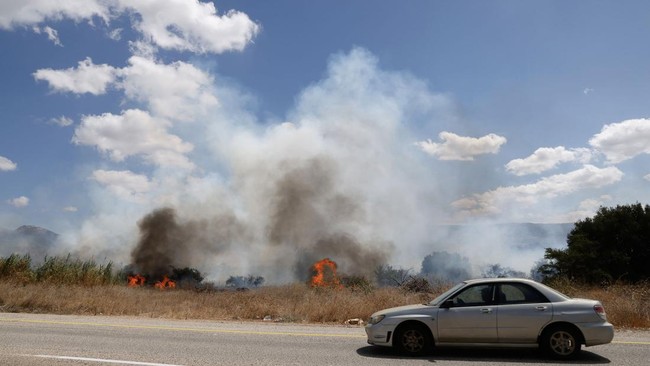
(376, 319)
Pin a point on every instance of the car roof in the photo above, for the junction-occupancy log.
(499, 279)
(550, 293)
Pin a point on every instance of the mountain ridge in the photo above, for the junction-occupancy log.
(27, 239)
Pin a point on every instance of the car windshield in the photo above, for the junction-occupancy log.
(445, 294)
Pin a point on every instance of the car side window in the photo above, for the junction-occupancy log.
(519, 293)
(475, 296)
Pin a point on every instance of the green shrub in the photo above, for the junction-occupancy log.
(17, 268)
(68, 271)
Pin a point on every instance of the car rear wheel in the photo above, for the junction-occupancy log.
(561, 342)
(413, 339)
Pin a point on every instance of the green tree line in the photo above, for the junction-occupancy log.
(614, 245)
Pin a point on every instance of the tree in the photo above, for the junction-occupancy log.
(388, 275)
(496, 270)
(447, 266)
(542, 269)
(613, 245)
(244, 282)
(187, 274)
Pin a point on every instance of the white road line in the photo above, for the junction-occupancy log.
(122, 362)
(182, 329)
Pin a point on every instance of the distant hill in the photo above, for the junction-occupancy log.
(516, 236)
(528, 235)
(33, 240)
(39, 242)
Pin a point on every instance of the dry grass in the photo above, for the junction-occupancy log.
(627, 306)
(291, 303)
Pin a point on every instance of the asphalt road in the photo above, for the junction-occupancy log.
(29, 339)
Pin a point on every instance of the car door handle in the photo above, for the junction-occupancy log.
(486, 311)
(541, 308)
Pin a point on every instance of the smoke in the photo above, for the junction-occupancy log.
(307, 218)
(310, 216)
(340, 177)
(448, 266)
(351, 256)
(166, 243)
(161, 240)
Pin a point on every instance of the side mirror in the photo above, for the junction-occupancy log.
(447, 304)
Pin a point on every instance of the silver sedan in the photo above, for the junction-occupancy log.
(494, 312)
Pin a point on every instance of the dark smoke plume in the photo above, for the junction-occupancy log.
(166, 243)
(310, 216)
(346, 251)
(159, 245)
(308, 219)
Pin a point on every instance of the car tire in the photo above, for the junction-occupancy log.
(413, 339)
(560, 342)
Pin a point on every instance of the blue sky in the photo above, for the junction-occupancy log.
(427, 112)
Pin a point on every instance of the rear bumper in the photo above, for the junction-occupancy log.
(597, 333)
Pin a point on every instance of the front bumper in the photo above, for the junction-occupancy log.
(380, 334)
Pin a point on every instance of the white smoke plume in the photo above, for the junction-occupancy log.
(341, 178)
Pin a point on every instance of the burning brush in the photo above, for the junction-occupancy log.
(155, 256)
(135, 280)
(175, 277)
(138, 280)
(324, 274)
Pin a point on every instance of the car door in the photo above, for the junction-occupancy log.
(471, 318)
(522, 312)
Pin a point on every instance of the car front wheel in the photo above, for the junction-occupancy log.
(561, 342)
(413, 339)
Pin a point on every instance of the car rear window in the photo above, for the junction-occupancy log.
(520, 293)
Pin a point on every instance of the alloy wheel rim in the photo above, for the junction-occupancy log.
(562, 343)
(413, 340)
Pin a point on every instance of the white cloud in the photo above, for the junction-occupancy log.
(115, 34)
(624, 140)
(546, 158)
(586, 91)
(18, 13)
(62, 121)
(191, 25)
(52, 34)
(178, 91)
(86, 78)
(18, 202)
(456, 147)
(6, 164)
(647, 177)
(70, 209)
(185, 25)
(123, 183)
(497, 200)
(142, 49)
(586, 208)
(134, 132)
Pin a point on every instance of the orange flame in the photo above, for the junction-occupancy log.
(324, 274)
(135, 280)
(165, 283)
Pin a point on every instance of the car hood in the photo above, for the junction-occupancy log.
(407, 309)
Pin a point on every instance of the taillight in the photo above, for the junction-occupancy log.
(600, 310)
